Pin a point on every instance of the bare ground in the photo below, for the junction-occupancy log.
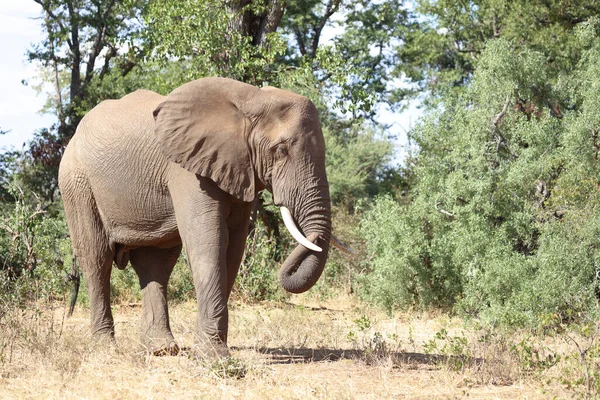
(309, 349)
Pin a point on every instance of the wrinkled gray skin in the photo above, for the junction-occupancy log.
(147, 173)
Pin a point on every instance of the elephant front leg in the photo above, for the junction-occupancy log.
(202, 211)
(210, 282)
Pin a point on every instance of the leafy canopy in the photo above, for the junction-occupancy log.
(445, 38)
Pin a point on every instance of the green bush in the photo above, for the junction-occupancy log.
(35, 252)
(342, 270)
(258, 275)
(409, 264)
(504, 217)
(181, 284)
(356, 159)
(124, 286)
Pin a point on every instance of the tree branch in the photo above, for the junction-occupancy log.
(109, 55)
(127, 66)
(300, 40)
(332, 7)
(98, 42)
(50, 13)
(441, 210)
(94, 53)
(500, 139)
(76, 68)
(59, 100)
(270, 21)
(498, 117)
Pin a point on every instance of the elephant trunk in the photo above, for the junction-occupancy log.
(303, 267)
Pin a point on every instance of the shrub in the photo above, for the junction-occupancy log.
(257, 278)
(408, 264)
(34, 251)
(181, 284)
(504, 218)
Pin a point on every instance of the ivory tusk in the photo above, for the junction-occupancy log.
(341, 246)
(288, 220)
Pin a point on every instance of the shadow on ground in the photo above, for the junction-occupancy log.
(282, 355)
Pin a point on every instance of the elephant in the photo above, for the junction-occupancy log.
(146, 175)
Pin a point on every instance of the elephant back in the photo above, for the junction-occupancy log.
(114, 129)
(116, 150)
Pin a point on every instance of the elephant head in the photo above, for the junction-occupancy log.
(245, 139)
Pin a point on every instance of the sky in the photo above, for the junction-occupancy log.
(20, 104)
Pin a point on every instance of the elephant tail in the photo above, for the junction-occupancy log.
(73, 277)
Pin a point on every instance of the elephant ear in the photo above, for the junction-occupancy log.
(201, 127)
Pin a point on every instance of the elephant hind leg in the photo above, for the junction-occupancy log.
(153, 267)
(92, 248)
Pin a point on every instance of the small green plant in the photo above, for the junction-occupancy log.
(257, 278)
(226, 368)
(371, 343)
(533, 356)
(586, 356)
(363, 323)
(358, 338)
(454, 350)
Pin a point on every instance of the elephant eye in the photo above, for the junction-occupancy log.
(281, 152)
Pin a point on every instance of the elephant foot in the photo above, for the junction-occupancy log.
(172, 349)
(104, 335)
(165, 346)
(211, 348)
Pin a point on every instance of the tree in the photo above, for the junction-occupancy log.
(354, 67)
(281, 44)
(98, 49)
(237, 41)
(86, 41)
(268, 42)
(446, 37)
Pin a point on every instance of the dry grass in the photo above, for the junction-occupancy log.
(335, 349)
